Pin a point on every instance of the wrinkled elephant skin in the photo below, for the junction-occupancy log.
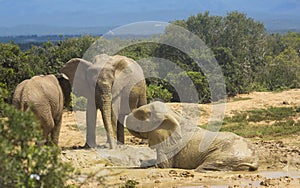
(43, 95)
(113, 84)
(179, 144)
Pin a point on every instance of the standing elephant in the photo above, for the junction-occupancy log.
(113, 84)
(45, 96)
(179, 144)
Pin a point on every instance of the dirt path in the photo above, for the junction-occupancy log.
(279, 158)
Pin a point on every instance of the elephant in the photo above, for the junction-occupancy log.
(181, 145)
(113, 84)
(45, 96)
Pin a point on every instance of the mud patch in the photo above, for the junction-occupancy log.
(123, 156)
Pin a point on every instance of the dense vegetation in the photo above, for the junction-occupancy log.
(25, 162)
(251, 59)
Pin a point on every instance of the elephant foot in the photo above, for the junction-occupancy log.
(113, 145)
(143, 142)
(108, 146)
(104, 146)
(87, 146)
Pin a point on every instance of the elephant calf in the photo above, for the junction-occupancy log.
(179, 144)
(45, 96)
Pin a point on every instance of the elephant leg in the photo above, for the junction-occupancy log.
(46, 122)
(163, 161)
(213, 164)
(91, 117)
(47, 125)
(118, 125)
(206, 168)
(56, 130)
(120, 129)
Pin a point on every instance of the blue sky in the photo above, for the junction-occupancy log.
(118, 12)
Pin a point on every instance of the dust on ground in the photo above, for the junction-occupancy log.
(101, 167)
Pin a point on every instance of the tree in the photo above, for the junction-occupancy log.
(13, 67)
(24, 161)
(282, 71)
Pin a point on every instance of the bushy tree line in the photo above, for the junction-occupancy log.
(251, 59)
(48, 58)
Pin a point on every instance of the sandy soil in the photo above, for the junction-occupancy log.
(279, 157)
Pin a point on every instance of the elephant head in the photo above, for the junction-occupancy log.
(76, 72)
(157, 123)
(113, 84)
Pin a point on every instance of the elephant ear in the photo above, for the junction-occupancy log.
(76, 70)
(156, 122)
(66, 88)
(136, 122)
(168, 135)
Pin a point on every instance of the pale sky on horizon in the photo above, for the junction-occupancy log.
(110, 13)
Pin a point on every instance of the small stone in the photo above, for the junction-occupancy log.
(157, 181)
(173, 172)
(123, 178)
(285, 102)
(186, 174)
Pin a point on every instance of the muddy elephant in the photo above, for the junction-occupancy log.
(45, 96)
(113, 84)
(180, 145)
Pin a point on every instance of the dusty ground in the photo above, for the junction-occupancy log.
(279, 157)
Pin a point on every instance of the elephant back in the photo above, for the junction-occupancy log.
(37, 92)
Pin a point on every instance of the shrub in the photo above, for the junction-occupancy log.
(24, 161)
(156, 91)
(78, 103)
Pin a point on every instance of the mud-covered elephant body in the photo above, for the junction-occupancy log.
(45, 98)
(181, 145)
(113, 84)
(227, 152)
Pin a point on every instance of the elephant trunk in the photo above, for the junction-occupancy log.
(107, 116)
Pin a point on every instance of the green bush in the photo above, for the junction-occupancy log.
(245, 123)
(282, 71)
(78, 103)
(156, 91)
(25, 162)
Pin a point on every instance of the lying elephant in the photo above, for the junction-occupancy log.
(179, 144)
(45, 96)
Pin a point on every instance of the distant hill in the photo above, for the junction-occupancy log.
(22, 39)
(40, 33)
(41, 30)
(282, 25)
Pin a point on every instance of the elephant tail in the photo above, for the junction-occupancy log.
(24, 106)
(19, 104)
(250, 166)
